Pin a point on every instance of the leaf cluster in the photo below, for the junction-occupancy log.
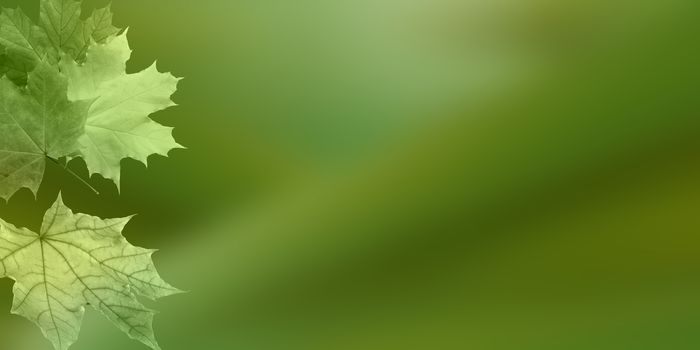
(65, 94)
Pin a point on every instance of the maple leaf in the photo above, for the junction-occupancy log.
(36, 122)
(60, 30)
(65, 94)
(67, 32)
(77, 260)
(118, 124)
(24, 43)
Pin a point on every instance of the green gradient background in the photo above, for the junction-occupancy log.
(405, 174)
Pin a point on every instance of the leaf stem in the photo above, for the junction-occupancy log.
(71, 172)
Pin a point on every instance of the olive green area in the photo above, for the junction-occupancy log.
(405, 174)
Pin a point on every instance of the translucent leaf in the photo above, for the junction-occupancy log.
(77, 260)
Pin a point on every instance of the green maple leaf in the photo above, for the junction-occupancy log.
(36, 122)
(93, 57)
(70, 34)
(60, 30)
(118, 124)
(77, 260)
(25, 44)
(65, 93)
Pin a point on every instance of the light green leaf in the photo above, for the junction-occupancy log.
(36, 122)
(67, 32)
(118, 124)
(77, 260)
(99, 24)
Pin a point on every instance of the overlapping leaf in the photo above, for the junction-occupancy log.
(60, 30)
(67, 32)
(118, 124)
(77, 260)
(64, 92)
(36, 122)
(93, 57)
(25, 44)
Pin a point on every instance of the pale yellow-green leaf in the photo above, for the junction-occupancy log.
(118, 124)
(77, 260)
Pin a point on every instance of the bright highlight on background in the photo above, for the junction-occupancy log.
(405, 174)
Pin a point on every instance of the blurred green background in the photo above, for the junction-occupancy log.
(411, 174)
